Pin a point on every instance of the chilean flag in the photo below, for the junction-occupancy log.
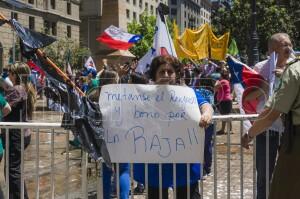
(245, 80)
(116, 38)
(162, 42)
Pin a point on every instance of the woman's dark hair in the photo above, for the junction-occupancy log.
(22, 72)
(206, 83)
(225, 74)
(137, 78)
(162, 60)
(108, 77)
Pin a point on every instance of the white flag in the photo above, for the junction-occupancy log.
(90, 63)
(162, 44)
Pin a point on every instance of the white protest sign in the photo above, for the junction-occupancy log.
(151, 123)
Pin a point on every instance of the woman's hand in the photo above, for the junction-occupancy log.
(205, 120)
(206, 115)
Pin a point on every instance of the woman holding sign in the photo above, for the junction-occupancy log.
(165, 70)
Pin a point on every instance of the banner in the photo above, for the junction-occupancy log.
(192, 44)
(218, 46)
(151, 124)
(200, 43)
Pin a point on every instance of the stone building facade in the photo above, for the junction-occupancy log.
(112, 12)
(58, 18)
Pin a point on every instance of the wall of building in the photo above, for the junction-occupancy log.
(114, 12)
(190, 13)
(39, 12)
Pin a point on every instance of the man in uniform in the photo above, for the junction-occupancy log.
(277, 43)
(286, 100)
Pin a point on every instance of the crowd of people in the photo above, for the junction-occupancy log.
(211, 84)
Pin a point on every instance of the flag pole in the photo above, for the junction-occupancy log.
(42, 55)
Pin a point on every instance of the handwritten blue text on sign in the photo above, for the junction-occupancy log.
(152, 124)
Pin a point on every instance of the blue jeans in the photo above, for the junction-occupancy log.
(209, 132)
(124, 180)
(261, 160)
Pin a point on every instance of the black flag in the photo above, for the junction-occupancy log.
(31, 38)
(83, 117)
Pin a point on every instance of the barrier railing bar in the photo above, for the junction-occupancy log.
(84, 174)
(131, 181)
(188, 181)
(160, 181)
(7, 161)
(67, 165)
(267, 162)
(52, 164)
(242, 161)
(215, 162)
(174, 181)
(117, 177)
(228, 160)
(37, 164)
(22, 163)
(254, 168)
(146, 181)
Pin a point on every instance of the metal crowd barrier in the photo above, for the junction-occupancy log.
(54, 127)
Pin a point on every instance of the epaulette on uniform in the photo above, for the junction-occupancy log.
(293, 61)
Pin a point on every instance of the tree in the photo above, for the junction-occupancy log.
(146, 28)
(271, 18)
(293, 8)
(65, 49)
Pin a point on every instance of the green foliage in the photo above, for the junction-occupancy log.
(63, 50)
(146, 28)
(271, 18)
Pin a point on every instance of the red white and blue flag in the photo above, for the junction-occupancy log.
(116, 38)
(162, 43)
(90, 64)
(245, 80)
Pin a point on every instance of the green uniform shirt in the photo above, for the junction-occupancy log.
(287, 97)
(3, 103)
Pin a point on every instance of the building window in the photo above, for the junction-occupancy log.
(134, 15)
(152, 9)
(31, 1)
(47, 26)
(128, 1)
(146, 6)
(69, 8)
(173, 11)
(174, 2)
(134, 2)
(69, 32)
(54, 28)
(141, 4)
(45, 4)
(31, 23)
(52, 3)
(14, 15)
(127, 14)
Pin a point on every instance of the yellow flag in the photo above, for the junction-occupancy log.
(183, 46)
(196, 44)
(218, 46)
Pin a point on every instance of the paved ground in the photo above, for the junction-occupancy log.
(74, 182)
